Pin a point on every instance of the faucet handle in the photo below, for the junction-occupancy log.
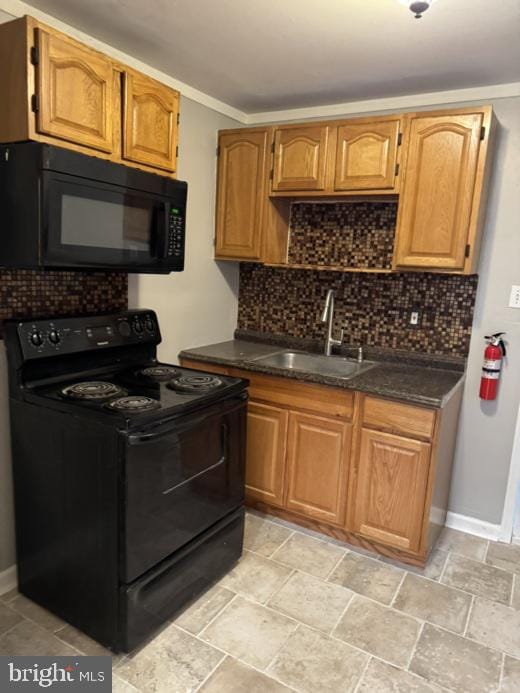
(339, 342)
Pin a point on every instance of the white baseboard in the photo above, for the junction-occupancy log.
(472, 525)
(8, 579)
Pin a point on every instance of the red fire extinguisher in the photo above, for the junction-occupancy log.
(493, 355)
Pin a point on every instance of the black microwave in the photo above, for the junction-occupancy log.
(65, 210)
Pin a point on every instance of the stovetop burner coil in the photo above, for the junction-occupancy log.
(133, 404)
(159, 372)
(93, 389)
(195, 383)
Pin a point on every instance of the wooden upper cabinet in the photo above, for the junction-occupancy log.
(300, 158)
(437, 195)
(241, 192)
(317, 466)
(366, 155)
(150, 122)
(265, 457)
(75, 89)
(390, 495)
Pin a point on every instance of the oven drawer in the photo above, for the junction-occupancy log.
(180, 479)
(165, 590)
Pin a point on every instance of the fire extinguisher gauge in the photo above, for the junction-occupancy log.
(496, 340)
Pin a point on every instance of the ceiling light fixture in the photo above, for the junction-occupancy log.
(418, 7)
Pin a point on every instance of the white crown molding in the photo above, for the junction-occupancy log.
(17, 8)
(394, 103)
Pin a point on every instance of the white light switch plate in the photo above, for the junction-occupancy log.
(514, 298)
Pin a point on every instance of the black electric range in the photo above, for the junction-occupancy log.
(129, 473)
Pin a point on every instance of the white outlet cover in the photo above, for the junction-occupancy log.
(414, 317)
(514, 298)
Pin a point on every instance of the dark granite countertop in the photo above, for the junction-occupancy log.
(404, 376)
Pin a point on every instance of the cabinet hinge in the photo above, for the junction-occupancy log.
(271, 174)
(272, 147)
(397, 169)
(399, 139)
(482, 132)
(178, 118)
(35, 103)
(218, 150)
(467, 251)
(35, 55)
(176, 151)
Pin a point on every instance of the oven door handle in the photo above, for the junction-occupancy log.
(221, 460)
(139, 438)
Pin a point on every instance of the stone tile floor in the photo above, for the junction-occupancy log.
(304, 613)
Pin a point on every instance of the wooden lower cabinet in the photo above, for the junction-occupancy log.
(366, 470)
(388, 501)
(317, 466)
(266, 443)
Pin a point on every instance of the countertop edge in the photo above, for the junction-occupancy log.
(396, 395)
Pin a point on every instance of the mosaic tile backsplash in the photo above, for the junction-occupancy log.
(357, 234)
(374, 309)
(33, 294)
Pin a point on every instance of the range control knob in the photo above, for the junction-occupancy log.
(54, 337)
(36, 338)
(137, 325)
(149, 325)
(124, 328)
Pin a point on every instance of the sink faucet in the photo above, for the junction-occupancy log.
(328, 316)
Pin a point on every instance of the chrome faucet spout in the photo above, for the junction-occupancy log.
(327, 316)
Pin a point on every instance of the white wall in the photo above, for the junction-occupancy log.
(197, 306)
(487, 429)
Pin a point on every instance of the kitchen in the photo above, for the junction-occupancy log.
(199, 306)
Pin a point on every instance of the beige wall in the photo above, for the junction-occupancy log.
(199, 305)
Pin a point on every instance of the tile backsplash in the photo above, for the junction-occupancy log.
(354, 234)
(374, 309)
(34, 293)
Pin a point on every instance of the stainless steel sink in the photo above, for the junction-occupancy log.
(336, 366)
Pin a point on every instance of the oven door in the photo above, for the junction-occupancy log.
(92, 224)
(179, 480)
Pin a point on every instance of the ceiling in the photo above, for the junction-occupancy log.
(278, 54)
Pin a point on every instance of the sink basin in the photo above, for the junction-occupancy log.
(336, 366)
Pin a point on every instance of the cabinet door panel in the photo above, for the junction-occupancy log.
(75, 89)
(317, 466)
(265, 457)
(390, 497)
(240, 195)
(300, 158)
(366, 156)
(437, 193)
(150, 122)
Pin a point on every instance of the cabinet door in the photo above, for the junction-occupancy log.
(265, 457)
(437, 192)
(242, 172)
(366, 156)
(75, 88)
(389, 501)
(150, 122)
(300, 158)
(317, 466)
